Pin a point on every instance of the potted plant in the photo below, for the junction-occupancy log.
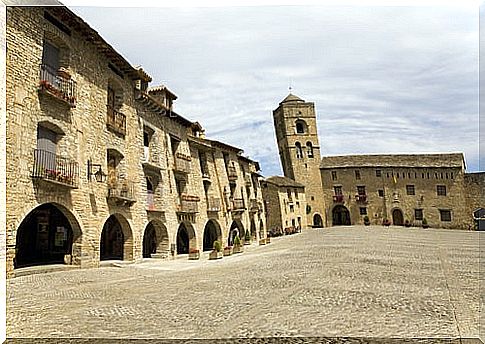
(194, 254)
(262, 241)
(237, 245)
(366, 220)
(247, 238)
(407, 223)
(227, 251)
(425, 223)
(216, 253)
(386, 223)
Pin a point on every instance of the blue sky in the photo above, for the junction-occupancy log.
(383, 79)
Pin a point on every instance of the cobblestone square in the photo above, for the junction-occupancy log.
(341, 281)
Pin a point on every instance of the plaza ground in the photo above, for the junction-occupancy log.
(340, 281)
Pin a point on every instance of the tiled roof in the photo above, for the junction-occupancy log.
(283, 181)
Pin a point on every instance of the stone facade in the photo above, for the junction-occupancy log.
(90, 115)
(285, 204)
(398, 187)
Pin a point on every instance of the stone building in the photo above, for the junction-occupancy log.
(399, 188)
(99, 165)
(285, 204)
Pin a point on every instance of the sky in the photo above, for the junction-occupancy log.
(383, 79)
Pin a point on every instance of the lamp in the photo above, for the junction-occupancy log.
(99, 175)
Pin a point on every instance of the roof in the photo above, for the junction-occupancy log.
(394, 160)
(291, 98)
(225, 146)
(161, 88)
(283, 181)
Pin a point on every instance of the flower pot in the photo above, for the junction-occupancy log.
(262, 241)
(237, 249)
(227, 251)
(194, 255)
(215, 255)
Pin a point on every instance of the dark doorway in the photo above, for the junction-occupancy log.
(317, 221)
(182, 240)
(253, 229)
(210, 235)
(340, 216)
(149, 241)
(397, 217)
(112, 240)
(236, 228)
(45, 236)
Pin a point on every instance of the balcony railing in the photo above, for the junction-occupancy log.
(182, 163)
(238, 204)
(231, 173)
(247, 179)
(116, 120)
(254, 205)
(213, 204)
(188, 204)
(122, 191)
(54, 168)
(361, 198)
(338, 198)
(57, 84)
(154, 202)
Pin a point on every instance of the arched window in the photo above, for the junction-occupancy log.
(309, 149)
(301, 126)
(299, 151)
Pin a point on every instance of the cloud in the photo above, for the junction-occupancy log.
(383, 79)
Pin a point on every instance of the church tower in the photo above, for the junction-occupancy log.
(296, 134)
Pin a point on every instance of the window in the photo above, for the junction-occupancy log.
(357, 174)
(378, 173)
(363, 210)
(381, 193)
(361, 190)
(418, 214)
(445, 215)
(410, 190)
(299, 151)
(334, 175)
(441, 190)
(337, 190)
(292, 208)
(50, 57)
(300, 126)
(312, 198)
(309, 149)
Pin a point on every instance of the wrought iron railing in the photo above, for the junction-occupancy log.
(213, 204)
(52, 167)
(188, 206)
(231, 173)
(338, 198)
(121, 189)
(361, 198)
(116, 120)
(59, 85)
(247, 179)
(154, 201)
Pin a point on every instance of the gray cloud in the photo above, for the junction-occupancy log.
(383, 79)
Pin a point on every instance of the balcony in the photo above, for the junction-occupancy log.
(57, 84)
(154, 203)
(238, 204)
(55, 169)
(116, 121)
(338, 198)
(361, 198)
(182, 163)
(231, 173)
(247, 179)
(254, 205)
(213, 204)
(206, 175)
(188, 204)
(122, 192)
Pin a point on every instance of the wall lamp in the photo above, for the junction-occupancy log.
(99, 175)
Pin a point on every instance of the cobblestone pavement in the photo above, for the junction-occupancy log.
(341, 281)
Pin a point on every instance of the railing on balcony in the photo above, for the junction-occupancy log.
(231, 173)
(54, 168)
(122, 191)
(116, 120)
(213, 204)
(58, 84)
(338, 198)
(154, 202)
(182, 163)
(361, 198)
(254, 205)
(238, 204)
(188, 204)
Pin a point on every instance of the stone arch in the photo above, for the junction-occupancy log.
(116, 241)
(186, 238)
(309, 149)
(397, 217)
(237, 228)
(317, 220)
(340, 216)
(212, 232)
(48, 234)
(299, 150)
(155, 240)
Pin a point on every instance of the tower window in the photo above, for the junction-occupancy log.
(378, 173)
(301, 127)
(334, 175)
(309, 149)
(299, 151)
(357, 174)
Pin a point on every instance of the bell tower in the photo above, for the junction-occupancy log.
(296, 135)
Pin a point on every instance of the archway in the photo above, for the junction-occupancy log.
(46, 236)
(155, 240)
(212, 232)
(340, 216)
(236, 228)
(185, 238)
(261, 229)
(116, 239)
(317, 221)
(397, 217)
(253, 229)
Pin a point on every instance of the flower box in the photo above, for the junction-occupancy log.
(237, 249)
(215, 255)
(227, 251)
(194, 255)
